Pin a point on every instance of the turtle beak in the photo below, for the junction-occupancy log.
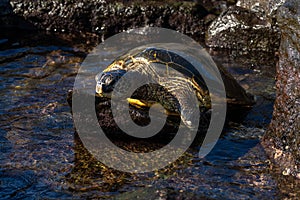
(98, 79)
(101, 93)
(99, 89)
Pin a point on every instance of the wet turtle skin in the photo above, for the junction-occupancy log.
(172, 78)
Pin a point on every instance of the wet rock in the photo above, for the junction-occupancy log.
(107, 121)
(216, 6)
(8, 19)
(282, 141)
(5, 13)
(5, 8)
(273, 7)
(254, 5)
(245, 27)
(267, 8)
(107, 18)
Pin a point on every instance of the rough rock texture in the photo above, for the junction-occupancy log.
(107, 122)
(273, 7)
(282, 141)
(246, 27)
(266, 7)
(107, 18)
(216, 6)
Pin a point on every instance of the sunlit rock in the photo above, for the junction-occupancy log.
(245, 27)
(283, 135)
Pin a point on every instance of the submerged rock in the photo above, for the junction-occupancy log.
(245, 27)
(282, 141)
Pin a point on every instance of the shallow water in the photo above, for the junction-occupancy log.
(41, 159)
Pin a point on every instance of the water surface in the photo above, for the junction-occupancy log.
(41, 158)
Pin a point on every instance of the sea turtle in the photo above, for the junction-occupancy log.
(175, 79)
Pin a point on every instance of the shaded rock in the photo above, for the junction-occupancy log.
(6, 13)
(5, 8)
(282, 141)
(140, 116)
(8, 19)
(243, 29)
(216, 6)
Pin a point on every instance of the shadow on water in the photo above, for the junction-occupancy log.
(41, 157)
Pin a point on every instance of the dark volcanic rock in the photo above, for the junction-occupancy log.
(9, 20)
(282, 141)
(107, 121)
(107, 18)
(216, 6)
(5, 8)
(267, 8)
(245, 27)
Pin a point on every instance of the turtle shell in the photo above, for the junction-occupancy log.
(166, 58)
(235, 93)
(176, 80)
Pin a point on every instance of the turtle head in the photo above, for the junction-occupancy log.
(106, 81)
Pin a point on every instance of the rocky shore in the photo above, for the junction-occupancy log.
(259, 25)
(106, 18)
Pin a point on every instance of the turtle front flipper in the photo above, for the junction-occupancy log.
(138, 103)
(147, 104)
(188, 103)
(189, 110)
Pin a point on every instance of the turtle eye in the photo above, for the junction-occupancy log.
(108, 80)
